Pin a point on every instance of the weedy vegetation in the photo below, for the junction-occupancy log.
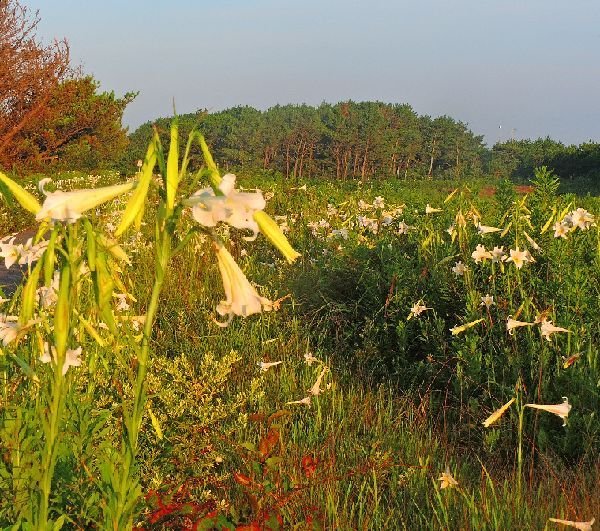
(405, 357)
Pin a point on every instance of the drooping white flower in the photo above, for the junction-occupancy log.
(582, 526)
(266, 365)
(447, 479)
(480, 254)
(548, 328)
(233, 207)
(561, 410)
(459, 268)
(70, 206)
(10, 252)
(487, 301)
(240, 296)
(316, 390)
(484, 229)
(403, 228)
(511, 324)
(304, 401)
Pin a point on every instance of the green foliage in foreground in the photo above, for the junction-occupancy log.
(220, 446)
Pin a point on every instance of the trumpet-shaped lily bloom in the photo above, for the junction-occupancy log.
(266, 365)
(459, 268)
(511, 324)
(72, 357)
(497, 414)
(532, 242)
(304, 401)
(581, 218)
(417, 310)
(240, 296)
(431, 210)
(480, 254)
(309, 358)
(487, 301)
(447, 479)
(582, 526)
(519, 258)
(316, 390)
(10, 252)
(233, 207)
(70, 206)
(560, 230)
(459, 329)
(561, 410)
(9, 328)
(548, 329)
(484, 229)
(498, 254)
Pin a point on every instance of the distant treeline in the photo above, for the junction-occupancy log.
(364, 140)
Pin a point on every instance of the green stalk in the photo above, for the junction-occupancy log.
(122, 520)
(520, 444)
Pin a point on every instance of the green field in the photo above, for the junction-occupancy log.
(398, 336)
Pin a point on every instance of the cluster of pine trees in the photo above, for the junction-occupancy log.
(346, 140)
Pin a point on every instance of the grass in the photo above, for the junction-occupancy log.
(406, 399)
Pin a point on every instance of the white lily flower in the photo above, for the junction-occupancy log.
(447, 479)
(72, 357)
(561, 410)
(431, 210)
(459, 268)
(264, 366)
(484, 229)
(309, 358)
(10, 252)
(511, 324)
(498, 254)
(487, 301)
(240, 296)
(581, 218)
(548, 329)
(316, 390)
(519, 258)
(582, 526)
(233, 207)
(560, 230)
(480, 254)
(417, 310)
(70, 206)
(9, 328)
(304, 401)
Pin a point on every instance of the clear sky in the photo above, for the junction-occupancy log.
(531, 65)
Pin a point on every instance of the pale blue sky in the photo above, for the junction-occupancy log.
(532, 65)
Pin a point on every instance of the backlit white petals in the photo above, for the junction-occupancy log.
(431, 210)
(511, 324)
(480, 254)
(582, 526)
(70, 206)
(548, 329)
(264, 366)
(484, 229)
(561, 410)
(240, 296)
(233, 207)
(459, 268)
(72, 357)
(519, 258)
(9, 328)
(498, 254)
(447, 479)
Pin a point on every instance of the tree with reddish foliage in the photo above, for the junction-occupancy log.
(48, 112)
(29, 74)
